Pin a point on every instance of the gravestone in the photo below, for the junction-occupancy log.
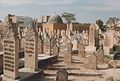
(92, 35)
(91, 48)
(97, 36)
(23, 38)
(56, 48)
(62, 75)
(75, 45)
(92, 62)
(81, 50)
(58, 45)
(11, 50)
(40, 44)
(53, 46)
(68, 33)
(106, 46)
(100, 55)
(20, 35)
(31, 49)
(58, 33)
(68, 54)
(47, 45)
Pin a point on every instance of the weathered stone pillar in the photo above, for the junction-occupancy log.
(81, 50)
(11, 51)
(100, 55)
(40, 45)
(68, 55)
(92, 62)
(91, 48)
(31, 49)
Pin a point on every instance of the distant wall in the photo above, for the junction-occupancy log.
(79, 27)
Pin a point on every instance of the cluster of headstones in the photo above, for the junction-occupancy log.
(37, 42)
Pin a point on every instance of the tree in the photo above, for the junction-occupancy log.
(104, 28)
(69, 17)
(112, 21)
(101, 25)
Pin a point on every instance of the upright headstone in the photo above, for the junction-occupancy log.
(47, 45)
(92, 62)
(91, 48)
(62, 75)
(20, 36)
(81, 50)
(68, 55)
(31, 49)
(92, 35)
(75, 45)
(11, 51)
(100, 55)
(40, 44)
(68, 33)
(96, 35)
(56, 48)
(23, 38)
(106, 46)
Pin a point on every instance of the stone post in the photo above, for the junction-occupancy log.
(11, 51)
(100, 55)
(81, 50)
(68, 56)
(91, 48)
(31, 50)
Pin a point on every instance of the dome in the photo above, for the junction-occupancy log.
(55, 19)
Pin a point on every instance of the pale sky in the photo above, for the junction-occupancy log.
(85, 10)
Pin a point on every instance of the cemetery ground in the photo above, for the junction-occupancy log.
(52, 56)
(78, 72)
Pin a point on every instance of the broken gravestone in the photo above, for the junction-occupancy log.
(62, 75)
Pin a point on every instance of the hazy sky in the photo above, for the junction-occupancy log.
(85, 10)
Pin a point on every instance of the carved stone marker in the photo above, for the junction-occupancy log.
(81, 50)
(92, 62)
(31, 49)
(96, 35)
(68, 56)
(11, 50)
(75, 45)
(91, 48)
(47, 46)
(100, 55)
(106, 46)
(56, 49)
(40, 45)
(62, 75)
